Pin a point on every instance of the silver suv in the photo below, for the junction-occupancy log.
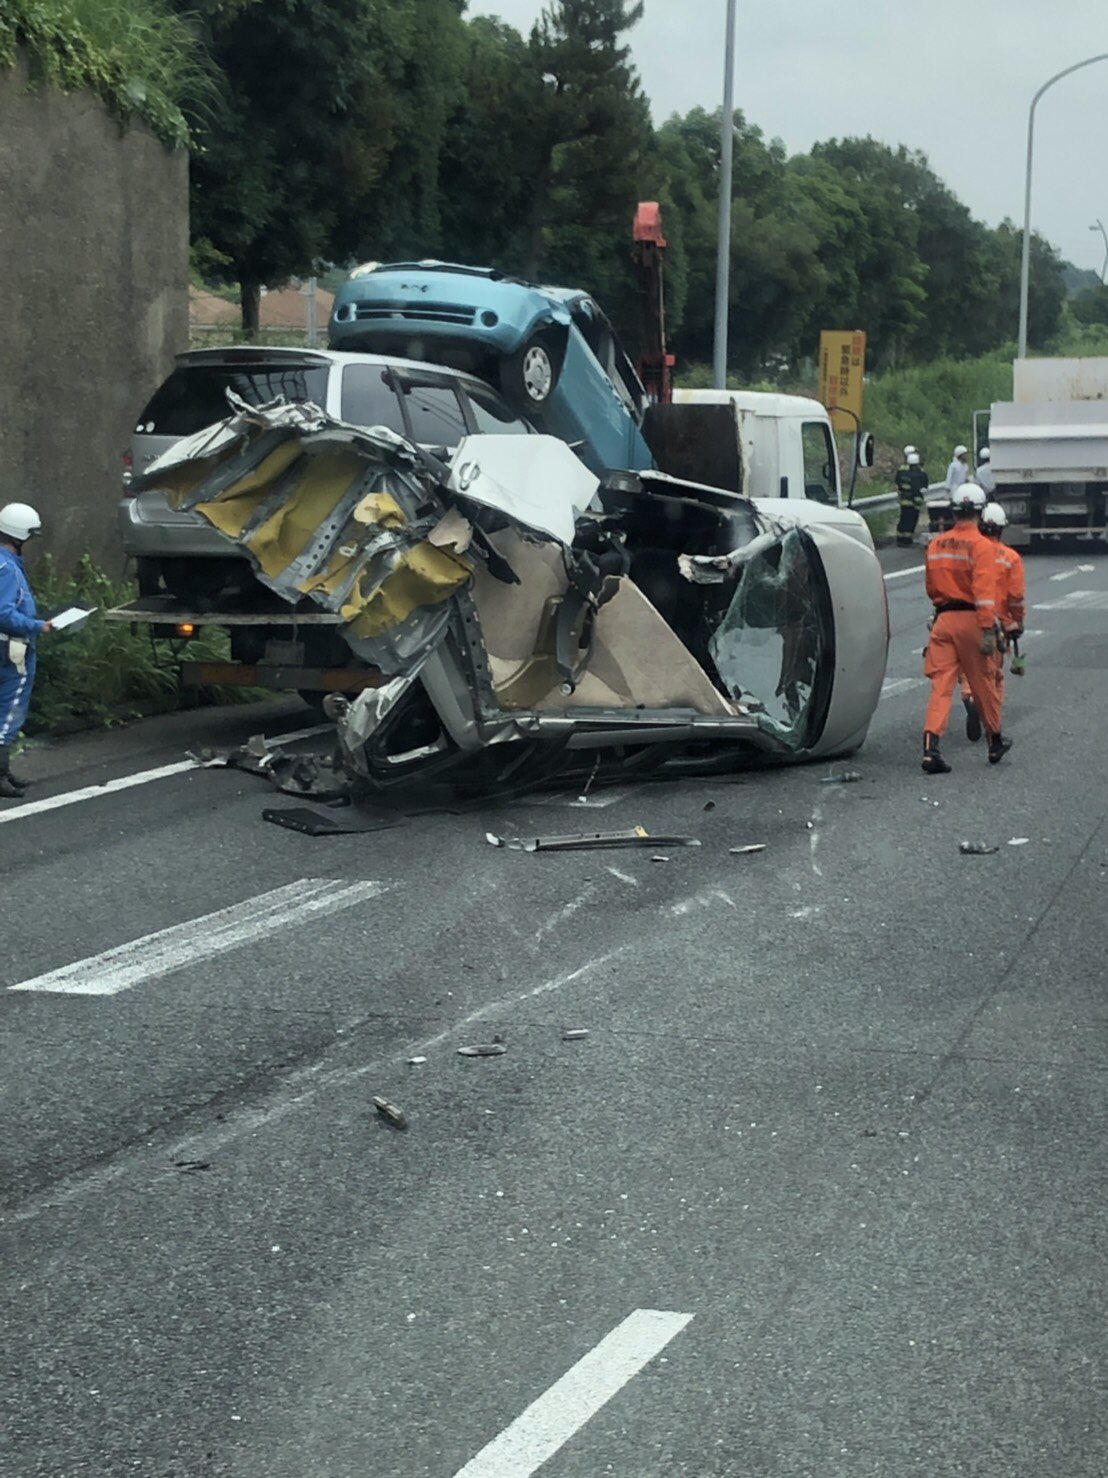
(182, 553)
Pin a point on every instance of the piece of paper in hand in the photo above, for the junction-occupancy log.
(72, 618)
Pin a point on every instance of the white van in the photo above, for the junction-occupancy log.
(750, 441)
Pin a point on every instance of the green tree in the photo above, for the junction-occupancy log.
(592, 132)
(490, 154)
(318, 95)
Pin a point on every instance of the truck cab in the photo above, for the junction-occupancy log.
(755, 442)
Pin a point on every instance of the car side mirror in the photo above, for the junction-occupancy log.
(867, 449)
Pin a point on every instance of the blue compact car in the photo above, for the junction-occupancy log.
(551, 351)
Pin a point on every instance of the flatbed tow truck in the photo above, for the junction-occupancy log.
(284, 640)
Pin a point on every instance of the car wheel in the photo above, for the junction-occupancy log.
(529, 376)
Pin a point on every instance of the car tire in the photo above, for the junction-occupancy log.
(529, 376)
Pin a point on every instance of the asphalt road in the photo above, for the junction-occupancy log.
(839, 1115)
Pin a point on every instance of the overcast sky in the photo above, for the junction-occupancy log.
(951, 77)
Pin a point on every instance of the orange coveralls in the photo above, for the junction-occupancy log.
(961, 580)
(1011, 593)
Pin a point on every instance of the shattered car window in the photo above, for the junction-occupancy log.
(776, 636)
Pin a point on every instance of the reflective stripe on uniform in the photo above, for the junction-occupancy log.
(12, 720)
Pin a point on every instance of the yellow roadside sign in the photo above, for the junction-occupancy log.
(842, 363)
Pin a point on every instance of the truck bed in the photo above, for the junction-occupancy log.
(283, 665)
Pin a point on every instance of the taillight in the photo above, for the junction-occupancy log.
(128, 472)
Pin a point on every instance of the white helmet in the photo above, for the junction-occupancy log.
(913, 459)
(960, 450)
(969, 498)
(19, 521)
(908, 450)
(983, 454)
(995, 516)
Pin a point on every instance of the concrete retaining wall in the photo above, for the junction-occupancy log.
(93, 303)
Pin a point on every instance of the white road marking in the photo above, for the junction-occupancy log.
(548, 1423)
(88, 792)
(624, 877)
(565, 913)
(899, 574)
(1085, 600)
(701, 900)
(596, 802)
(894, 685)
(1066, 574)
(817, 817)
(128, 782)
(156, 955)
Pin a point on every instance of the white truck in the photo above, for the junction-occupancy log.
(1048, 447)
(755, 442)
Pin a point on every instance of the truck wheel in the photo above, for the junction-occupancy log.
(528, 376)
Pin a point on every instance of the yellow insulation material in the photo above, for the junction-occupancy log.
(287, 533)
(425, 576)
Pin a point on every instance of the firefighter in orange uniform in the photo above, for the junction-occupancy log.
(1011, 590)
(961, 584)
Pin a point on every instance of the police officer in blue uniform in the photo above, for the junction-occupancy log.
(19, 629)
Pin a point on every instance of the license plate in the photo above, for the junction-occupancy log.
(1016, 507)
(1069, 509)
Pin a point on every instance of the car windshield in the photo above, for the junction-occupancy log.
(195, 395)
(772, 644)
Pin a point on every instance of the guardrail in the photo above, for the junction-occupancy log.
(886, 502)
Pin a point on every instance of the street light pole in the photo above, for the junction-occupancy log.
(1099, 226)
(1025, 264)
(723, 235)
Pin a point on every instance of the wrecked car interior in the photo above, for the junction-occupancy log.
(524, 621)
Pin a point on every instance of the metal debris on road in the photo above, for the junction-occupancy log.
(483, 1049)
(848, 777)
(709, 805)
(586, 841)
(659, 858)
(744, 851)
(575, 1034)
(192, 1164)
(416, 1061)
(1018, 841)
(390, 1113)
(976, 849)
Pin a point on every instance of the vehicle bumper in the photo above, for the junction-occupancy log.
(149, 528)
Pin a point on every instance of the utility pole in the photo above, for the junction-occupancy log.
(723, 238)
(313, 328)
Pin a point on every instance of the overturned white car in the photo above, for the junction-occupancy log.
(520, 620)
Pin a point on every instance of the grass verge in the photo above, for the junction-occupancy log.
(107, 673)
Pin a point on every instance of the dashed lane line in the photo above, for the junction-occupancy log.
(154, 956)
(550, 1421)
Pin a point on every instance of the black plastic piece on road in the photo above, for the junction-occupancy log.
(316, 824)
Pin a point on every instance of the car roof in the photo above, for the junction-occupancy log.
(767, 403)
(248, 354)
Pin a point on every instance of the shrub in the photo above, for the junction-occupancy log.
(87, 678)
